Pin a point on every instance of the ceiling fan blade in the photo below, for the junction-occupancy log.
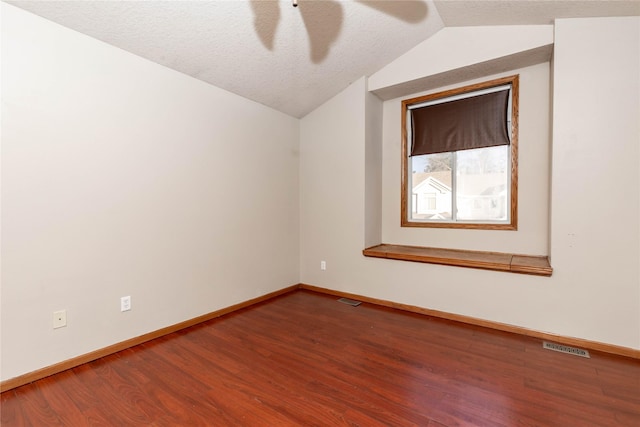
(323, 21)
(266, 15)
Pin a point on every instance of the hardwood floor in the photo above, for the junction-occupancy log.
(304, 359)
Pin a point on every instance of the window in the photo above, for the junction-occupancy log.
(459, 157)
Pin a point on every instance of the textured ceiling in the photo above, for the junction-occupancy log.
(458, 13)
(292, 59)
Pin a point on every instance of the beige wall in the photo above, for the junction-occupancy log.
(332, 186)
(462, 53)
(596, 151)
(122, 177)
(373, 170)
(594, 291)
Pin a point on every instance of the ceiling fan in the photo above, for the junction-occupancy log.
(324, 32)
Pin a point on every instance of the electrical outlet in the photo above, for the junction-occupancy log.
(59, 319)
(323, 265)
(125, 303)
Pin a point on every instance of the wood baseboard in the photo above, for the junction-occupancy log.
(106, 351)
(576, 342)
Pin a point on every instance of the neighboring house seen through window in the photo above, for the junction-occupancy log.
(460, 157)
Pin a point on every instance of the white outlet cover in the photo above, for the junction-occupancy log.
(59, 319)
(125, 303)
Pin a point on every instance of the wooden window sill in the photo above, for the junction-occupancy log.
(498, 261)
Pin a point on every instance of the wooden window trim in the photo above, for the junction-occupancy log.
(404, 211)
(497, 261)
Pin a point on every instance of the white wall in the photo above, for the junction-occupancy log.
(332, 150)
(121, 177)
(594, 291)
(462, 53)
(596, 141)
(373, 170)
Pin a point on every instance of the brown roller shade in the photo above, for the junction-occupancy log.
(476, 122)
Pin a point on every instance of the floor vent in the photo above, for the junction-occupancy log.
(565, 349)
(350, 301)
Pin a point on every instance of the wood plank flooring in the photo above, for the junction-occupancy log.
(304, 359)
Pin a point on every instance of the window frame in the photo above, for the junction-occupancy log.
(405, 210)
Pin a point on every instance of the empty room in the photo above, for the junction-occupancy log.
(320, 212)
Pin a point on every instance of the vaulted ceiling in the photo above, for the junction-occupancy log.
(293, 58)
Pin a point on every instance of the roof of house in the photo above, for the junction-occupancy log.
(480, 184)
(443, 177)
